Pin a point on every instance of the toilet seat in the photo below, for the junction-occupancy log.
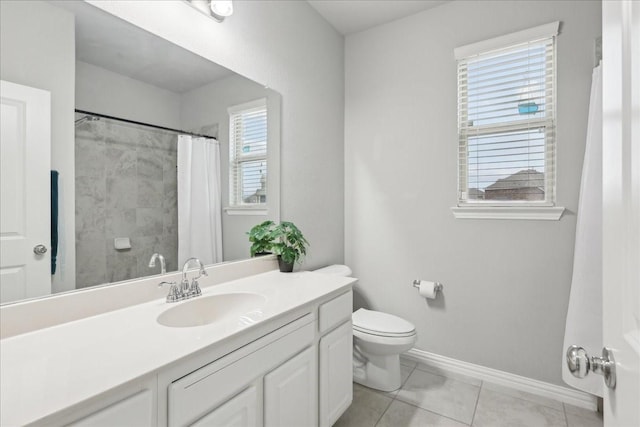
(381, 324)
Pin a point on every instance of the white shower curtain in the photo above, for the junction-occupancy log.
(584, 316)
(199, 204)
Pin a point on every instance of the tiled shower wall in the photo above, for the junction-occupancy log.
(126, 186)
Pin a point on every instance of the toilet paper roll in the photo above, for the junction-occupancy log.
(428, 289)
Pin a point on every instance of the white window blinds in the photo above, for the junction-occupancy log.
(248, 154)
(506, 121)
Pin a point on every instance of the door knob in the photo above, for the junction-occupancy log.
(40, 249)
(580, 364)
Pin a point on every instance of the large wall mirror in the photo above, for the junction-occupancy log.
(139, 133)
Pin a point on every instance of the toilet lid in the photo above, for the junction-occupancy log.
(378, 323)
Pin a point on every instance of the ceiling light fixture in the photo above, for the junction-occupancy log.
(217, 9)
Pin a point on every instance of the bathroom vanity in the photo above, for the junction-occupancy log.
(283, 358)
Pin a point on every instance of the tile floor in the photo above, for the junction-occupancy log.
(430, 397)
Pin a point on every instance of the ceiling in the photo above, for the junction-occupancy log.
(352, 16)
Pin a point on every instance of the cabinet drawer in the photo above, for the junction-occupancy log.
(335, 312)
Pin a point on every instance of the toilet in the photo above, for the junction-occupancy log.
(378, 340)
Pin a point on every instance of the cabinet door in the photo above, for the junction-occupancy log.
(290, 392)
(336, 373)
(240, 411)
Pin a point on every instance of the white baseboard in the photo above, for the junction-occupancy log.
(540, 388)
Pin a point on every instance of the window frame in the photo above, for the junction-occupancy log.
(508, 209)
(236, 205)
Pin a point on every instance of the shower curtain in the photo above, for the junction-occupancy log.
(584, 316)
(199, 204)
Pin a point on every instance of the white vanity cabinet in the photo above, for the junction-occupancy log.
(298, 375)
(293, 368)
(208, 393)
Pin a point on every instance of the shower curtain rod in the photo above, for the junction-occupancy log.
(133, 122)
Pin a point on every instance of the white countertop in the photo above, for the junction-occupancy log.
(45, 371)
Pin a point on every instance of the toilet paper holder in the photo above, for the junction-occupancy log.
(438, 286)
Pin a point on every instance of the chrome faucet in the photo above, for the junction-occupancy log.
(190, 290)
(152, 262)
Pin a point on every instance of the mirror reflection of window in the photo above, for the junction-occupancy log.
(248, 154)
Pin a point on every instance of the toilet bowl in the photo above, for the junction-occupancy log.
(378, 340)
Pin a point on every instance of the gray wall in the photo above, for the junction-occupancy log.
(506, 282)
(287, 46)
(45, 59)
(102, 91)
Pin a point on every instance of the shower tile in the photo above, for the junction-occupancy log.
(90, 205)
(150, 193)
(122, 135)
(121, 194)
(170, 252)
(143, 248)
(401, 414)
(154, 138)
(121, 265)
(149, 222)
(89, 157)
(120, 162)
(91, 188)
(366, 409)
(170, 222)
(87, 129)
(90, 263)
(120, 223)
(444, 396)
(150, 164)
(498, 409)
(170, 199)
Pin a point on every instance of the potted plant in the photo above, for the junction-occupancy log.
(289, 244)
(261, 237)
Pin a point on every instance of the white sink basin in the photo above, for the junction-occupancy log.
(244, 307)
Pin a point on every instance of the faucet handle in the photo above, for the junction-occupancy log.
(194, 290)
(175, 293)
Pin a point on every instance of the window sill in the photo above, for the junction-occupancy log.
(246, 211)
(545, 213)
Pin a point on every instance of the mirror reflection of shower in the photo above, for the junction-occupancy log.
(86, 118)
(126, 198)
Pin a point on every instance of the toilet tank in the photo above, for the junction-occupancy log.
(335, 270)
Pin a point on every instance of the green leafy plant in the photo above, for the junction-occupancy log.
(290, 243)
(262, 238)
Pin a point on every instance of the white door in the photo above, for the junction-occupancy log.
(290, 398)
(25, 151)
(621, 207)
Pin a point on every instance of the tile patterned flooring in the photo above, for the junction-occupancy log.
(430, 397)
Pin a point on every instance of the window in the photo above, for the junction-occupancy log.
(506, 120)
(248, 155)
